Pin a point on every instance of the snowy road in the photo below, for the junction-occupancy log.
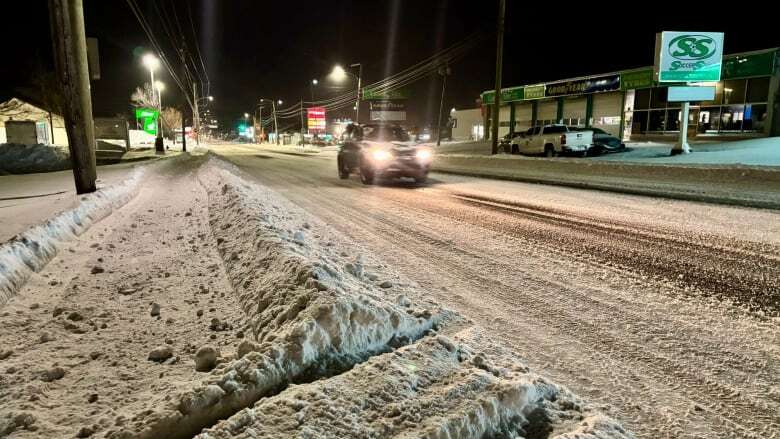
(664, 311)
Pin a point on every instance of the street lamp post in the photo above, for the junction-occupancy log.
(313, 83)
(152, 63)
(159, 86)
(340, 74)
(276, 122)
(357, 100)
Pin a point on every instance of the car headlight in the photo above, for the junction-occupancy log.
(380, 155)
(424, 154)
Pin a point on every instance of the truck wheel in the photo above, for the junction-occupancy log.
(343, 169)
(515, 149)
(366, 175)
(420, 179)
(549, 151)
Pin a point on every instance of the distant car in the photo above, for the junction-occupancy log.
(504, 144)
(381, 150)
(552, 140)
(603, 141)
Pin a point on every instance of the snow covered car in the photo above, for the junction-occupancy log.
(382, 150)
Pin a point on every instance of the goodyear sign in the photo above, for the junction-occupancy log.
(590, 85)
(688, 56)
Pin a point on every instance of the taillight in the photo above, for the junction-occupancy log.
(563, 139)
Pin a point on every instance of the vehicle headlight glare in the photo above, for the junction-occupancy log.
(424, 154)
(380, 155)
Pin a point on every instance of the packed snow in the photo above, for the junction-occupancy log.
(21, 159)
(32, 250)
(124, 348)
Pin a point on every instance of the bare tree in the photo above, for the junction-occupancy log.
(171, 118)
(144, 96)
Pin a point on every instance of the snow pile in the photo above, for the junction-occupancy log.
(30, 251)
(436, 388)
(23, 159)
(310, 316)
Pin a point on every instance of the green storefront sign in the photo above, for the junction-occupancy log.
(147, 118)
(760, 64)
(534, 92)
(636, 79)
(507, 95)
(370, 94)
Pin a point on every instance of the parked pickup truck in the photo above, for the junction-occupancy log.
(552, 140)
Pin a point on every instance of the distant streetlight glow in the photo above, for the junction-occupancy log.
(246, 115)
(151, 62)
(314, 82)
(338, 74)
(279, 102)
(211, 98)
(159, 86)
(453, 110)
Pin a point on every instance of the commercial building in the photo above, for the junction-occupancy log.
(631, 105)
(24, 123)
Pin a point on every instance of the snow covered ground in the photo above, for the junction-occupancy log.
(21, 159)
(207, 292)
(753, 152)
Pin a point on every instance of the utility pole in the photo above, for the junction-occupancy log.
(444, 72)
(195, 113)
(276, 123)
(183, 127)
(302, 142)
(70, 58)
(499, 67)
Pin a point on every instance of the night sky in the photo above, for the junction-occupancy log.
(255, 49)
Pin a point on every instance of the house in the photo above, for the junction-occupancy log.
(25, 123)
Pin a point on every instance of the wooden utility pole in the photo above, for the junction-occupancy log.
(444, 72)
(499, 68)
(70, 58)
(183, 127)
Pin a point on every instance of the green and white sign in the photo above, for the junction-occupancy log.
(688, 56)
(147, 118)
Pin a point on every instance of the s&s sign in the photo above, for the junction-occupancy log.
(688, 56)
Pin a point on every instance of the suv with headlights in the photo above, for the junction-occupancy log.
(381, 151)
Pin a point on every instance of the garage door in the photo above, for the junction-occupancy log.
(574, 110)
(523, 116)
(606, 112)
(547, 113)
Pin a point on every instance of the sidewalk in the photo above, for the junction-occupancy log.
(723, 184)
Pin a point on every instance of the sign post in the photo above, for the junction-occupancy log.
(687, 57)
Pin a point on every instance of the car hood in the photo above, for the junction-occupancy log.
(396, 146)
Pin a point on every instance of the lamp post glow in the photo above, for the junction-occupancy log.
(152, 63)
(339, 74)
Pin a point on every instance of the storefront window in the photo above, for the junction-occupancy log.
(672, 120)
(709, 118)
(758, 90)
(731, 118)
(656, 120)
(755, 117)
(642, 99)
(734, 91)
(639, 122)
(659, 97)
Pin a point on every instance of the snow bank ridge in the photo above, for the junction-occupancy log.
(310, 314)
(30, 251)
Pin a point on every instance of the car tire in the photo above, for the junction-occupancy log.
(366, 175)
(421, 179)
(343, 169)
(549, 151)
(515, 149)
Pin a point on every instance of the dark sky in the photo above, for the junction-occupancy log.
(256, 49)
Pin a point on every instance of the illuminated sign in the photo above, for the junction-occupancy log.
(147, 118)
(592, 85)
(316, 120)
(688, 56)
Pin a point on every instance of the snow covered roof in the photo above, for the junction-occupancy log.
(18, 109)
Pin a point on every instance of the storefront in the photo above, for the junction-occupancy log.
(632, 105)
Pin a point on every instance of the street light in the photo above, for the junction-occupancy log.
(339, 74)
(246, 115)
(314, 82)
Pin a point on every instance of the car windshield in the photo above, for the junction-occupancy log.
(385, 133)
